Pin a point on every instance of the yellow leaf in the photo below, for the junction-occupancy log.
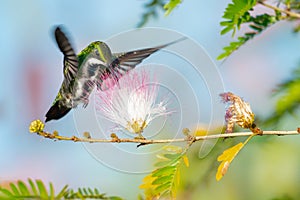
(176, 183)
(147, 182)
(148, 187)
(226, 158)
(186, 160)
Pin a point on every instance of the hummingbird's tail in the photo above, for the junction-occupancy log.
(57, 111)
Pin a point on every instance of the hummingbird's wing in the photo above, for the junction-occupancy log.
(123, 62)
(126, 61)
(70, 58)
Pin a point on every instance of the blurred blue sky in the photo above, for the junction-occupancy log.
(31, 67)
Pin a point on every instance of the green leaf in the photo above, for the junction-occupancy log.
(79, 195)
(235, 14)
(169, 7)
(228, 50)
(226, 30)
(162, 180)
(63, 192)
(37, 190)
(14, 189)
(163, 188)
(91, 191)
(258, 24)
(33, 187)
(85, 191)
(23, 188)
(6, 192)
(96, 191)
(52, 191)
(42, 189)
(163, 171)
(256, 28)
(225, 23)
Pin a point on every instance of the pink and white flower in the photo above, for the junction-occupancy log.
(131, 103)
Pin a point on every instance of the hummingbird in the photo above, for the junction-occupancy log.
(89, 69)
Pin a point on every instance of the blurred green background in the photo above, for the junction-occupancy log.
(267, 168)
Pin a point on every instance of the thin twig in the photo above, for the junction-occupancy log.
(146, 141)
(289, 13)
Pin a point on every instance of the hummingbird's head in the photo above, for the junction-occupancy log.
(93, 46)
(57, 111)
(100, 49)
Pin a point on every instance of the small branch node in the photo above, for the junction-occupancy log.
(87, 135)
(186, 131)
(256, 130)
(75, 139)
(115, 138)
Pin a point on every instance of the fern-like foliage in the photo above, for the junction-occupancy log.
(151, 11)
(153, 7)
(235, 14)
(288, 94)
(37, 190)
(163, 181)
(88, 193)
(257, 24)
(238, 13)
(294, 5)
(171, 5)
